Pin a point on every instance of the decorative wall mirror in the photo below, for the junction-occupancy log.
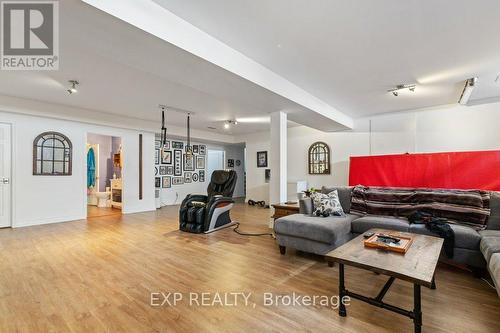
(319, 159)
(52, 155)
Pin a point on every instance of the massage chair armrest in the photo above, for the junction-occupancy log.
(219, 200)
(194, 197)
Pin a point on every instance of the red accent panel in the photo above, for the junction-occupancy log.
(461, 170)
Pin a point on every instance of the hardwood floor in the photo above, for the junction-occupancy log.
(94, 211)
(98, 275)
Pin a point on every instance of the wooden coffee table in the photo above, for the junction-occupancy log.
(417, 266)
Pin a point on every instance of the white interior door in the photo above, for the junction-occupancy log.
(5, 177)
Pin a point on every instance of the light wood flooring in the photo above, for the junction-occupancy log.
(96, 275)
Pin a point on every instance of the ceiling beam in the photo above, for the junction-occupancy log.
(156, 20)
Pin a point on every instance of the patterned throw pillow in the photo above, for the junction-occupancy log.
(327, 204)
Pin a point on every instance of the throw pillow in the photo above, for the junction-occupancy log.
(327, 204)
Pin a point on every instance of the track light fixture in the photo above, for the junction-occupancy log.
(228, 123)
(399, 87)
(72, 89)
(469, 86)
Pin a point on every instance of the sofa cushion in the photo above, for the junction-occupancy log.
(344, 193)
(494, 219)
(368, 222)
(489, 245)
(328, 204)
(465, 237)
(322, 229)
(494, 268)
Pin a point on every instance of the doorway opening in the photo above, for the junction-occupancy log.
(104, 175)
(215, 161)
(5, 175)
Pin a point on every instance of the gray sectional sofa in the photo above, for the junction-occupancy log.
(320, 235)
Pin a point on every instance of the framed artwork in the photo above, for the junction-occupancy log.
(163, 170)
(238, 162)
(166, 146)
(170, 170)
(319, 159)
(194, 177)
(177, 144)
(267, 175)
(157, 144)
(166, 182)
(188, 162)
(230, 163)
(201, 176)
(200, 162)
(156, 171)
(157, 182)
(157, 156)
(203, 150)
(262, 159)
(177, 180)
(166, 157)
(177, 162)
(187, 177)
(196, 149)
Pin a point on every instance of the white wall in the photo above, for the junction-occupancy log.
(48, 199)
(447, 128)
(237, 152)
(175, 194)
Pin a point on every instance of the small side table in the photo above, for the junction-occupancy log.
(284, 209)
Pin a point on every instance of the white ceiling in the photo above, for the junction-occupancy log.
(348, 53)
(128, 72)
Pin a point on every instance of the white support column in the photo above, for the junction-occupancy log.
(278, 159)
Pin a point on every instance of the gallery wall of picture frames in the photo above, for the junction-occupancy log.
(174, 167)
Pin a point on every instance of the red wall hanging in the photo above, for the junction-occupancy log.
(458, 170)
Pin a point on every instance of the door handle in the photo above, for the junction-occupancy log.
(5, 181)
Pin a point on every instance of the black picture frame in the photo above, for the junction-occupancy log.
(200, 162)
(201, 176)
(196, 149)
(163, 170)
(170, 170)
(177, 145)
(230, 163)
(177, 162)
(157, 182)
(262, 159)
(203, 150)
(177, 180)
(166, 182)
(188, 162)
(187, 177)
(194, 177)
(166, 157)
(157, 156)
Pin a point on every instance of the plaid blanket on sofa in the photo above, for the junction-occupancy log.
(466, 207)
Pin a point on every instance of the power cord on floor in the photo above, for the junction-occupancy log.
(251, 234)
(488, 282)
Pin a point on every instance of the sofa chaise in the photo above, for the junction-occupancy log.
(319, 235)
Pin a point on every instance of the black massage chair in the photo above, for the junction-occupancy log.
(206, 213)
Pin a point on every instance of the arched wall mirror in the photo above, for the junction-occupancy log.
(52, 155)
(319, 159)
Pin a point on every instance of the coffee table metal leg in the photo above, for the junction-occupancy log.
(433, 286)
(342, 310)
(417, 308)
